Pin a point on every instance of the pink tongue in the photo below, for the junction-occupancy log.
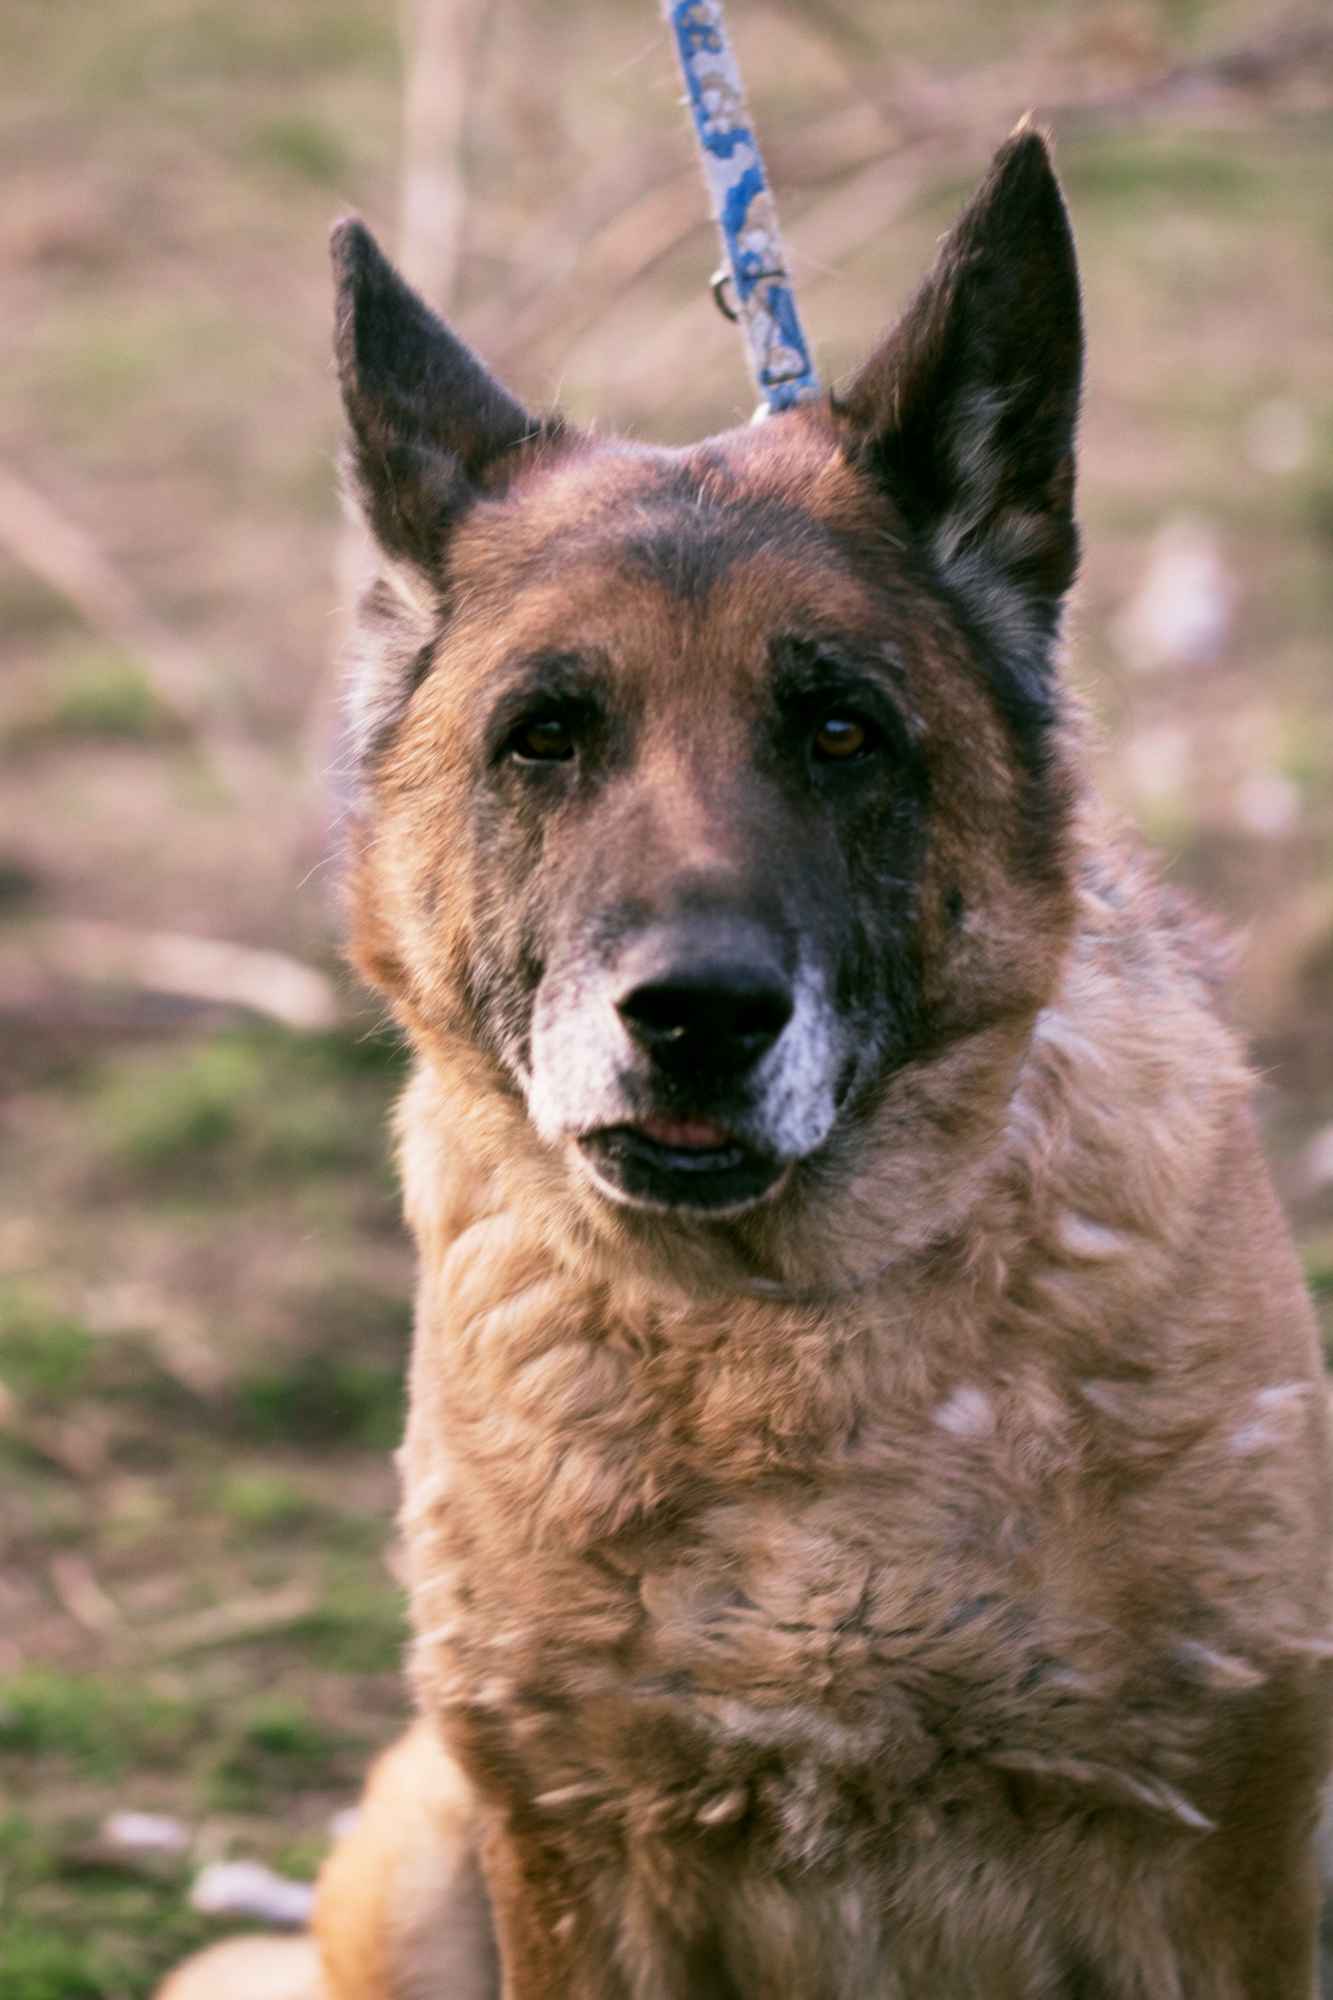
(687, 1133)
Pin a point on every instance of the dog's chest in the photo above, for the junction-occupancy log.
(821, 1670)
(909, 1608)
(810, 1672)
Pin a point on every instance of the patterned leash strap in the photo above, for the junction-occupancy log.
(755, 272)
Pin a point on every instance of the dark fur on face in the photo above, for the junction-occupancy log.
(697, 737)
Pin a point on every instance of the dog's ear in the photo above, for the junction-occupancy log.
(966, 413)
(429, 428)
(427, 419)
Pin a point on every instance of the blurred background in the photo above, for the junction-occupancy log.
(203, 1283)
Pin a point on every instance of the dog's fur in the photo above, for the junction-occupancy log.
(881, 1557)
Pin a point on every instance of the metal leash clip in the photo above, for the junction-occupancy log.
(723, 278)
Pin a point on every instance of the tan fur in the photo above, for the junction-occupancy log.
(912, 1586)
(1005, 1536)
(401, 1907)
(249, 1968)
(950, 1624)
(657, 1529)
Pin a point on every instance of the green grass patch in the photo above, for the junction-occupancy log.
(304, 147)
(68, 1933)
(39, 1962)
(318, 1399)
(27, 1852)
(44, 1355)
(262, 1502)
(91, 694)
(360, 1625)
(374, 1052)
(249, 1103)
(183, 1107)
(1160, 172)
(277, 1746)
(284, 1729)
(109, 699)
(302, 1859)
(97, 1726)
(1319, 1275)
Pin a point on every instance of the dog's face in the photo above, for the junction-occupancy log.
(708, 790)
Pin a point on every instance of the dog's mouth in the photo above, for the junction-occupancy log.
(680, 1163)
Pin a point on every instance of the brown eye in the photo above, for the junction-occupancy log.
(548, 740)
(840, 738)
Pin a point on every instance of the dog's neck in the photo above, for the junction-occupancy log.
(921, 1162)
(544, 1319)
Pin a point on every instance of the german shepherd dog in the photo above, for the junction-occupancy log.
(866, 1495)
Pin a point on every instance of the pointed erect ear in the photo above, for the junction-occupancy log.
(966, 413)
(427, 419)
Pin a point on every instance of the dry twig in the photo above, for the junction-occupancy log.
(248, 1617)
(207, 969)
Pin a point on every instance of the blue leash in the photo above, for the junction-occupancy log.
(762, 301)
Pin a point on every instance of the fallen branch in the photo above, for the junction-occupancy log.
(239, 1618)
(76, 1585)
(268, 983)
(77, 1449)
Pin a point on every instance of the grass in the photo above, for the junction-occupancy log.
(318, 1400)
(110, 699)
(276, 1743)
(260, 1501)
(69, 1931)
(244, 1104)
(360, 1625)
(1163, 173)
(44, 1355)
(95, 1725)
(1319, 1277)
(181, 1497)
(302, 146)
(92, 694)
(37, 1963)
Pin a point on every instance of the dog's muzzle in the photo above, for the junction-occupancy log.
(703, 1003)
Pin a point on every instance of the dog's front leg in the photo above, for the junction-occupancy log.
(1270, 1944)
(552, 1937)
(576, 1930)
(1241, 1923)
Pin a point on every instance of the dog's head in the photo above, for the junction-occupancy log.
(707, 791)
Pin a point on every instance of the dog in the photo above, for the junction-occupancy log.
(866, 1494)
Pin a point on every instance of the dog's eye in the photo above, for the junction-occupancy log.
(545, 740)
(840, 739)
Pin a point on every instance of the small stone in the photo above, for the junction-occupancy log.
(1268, 804)
(249, 1889)
(1319, 1158)
(1182, 611)
(134, 1833)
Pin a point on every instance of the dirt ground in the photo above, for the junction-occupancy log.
(203, 1283)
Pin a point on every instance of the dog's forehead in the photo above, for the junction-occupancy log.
(684, 520)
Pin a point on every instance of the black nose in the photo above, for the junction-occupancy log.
(711, 1000)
